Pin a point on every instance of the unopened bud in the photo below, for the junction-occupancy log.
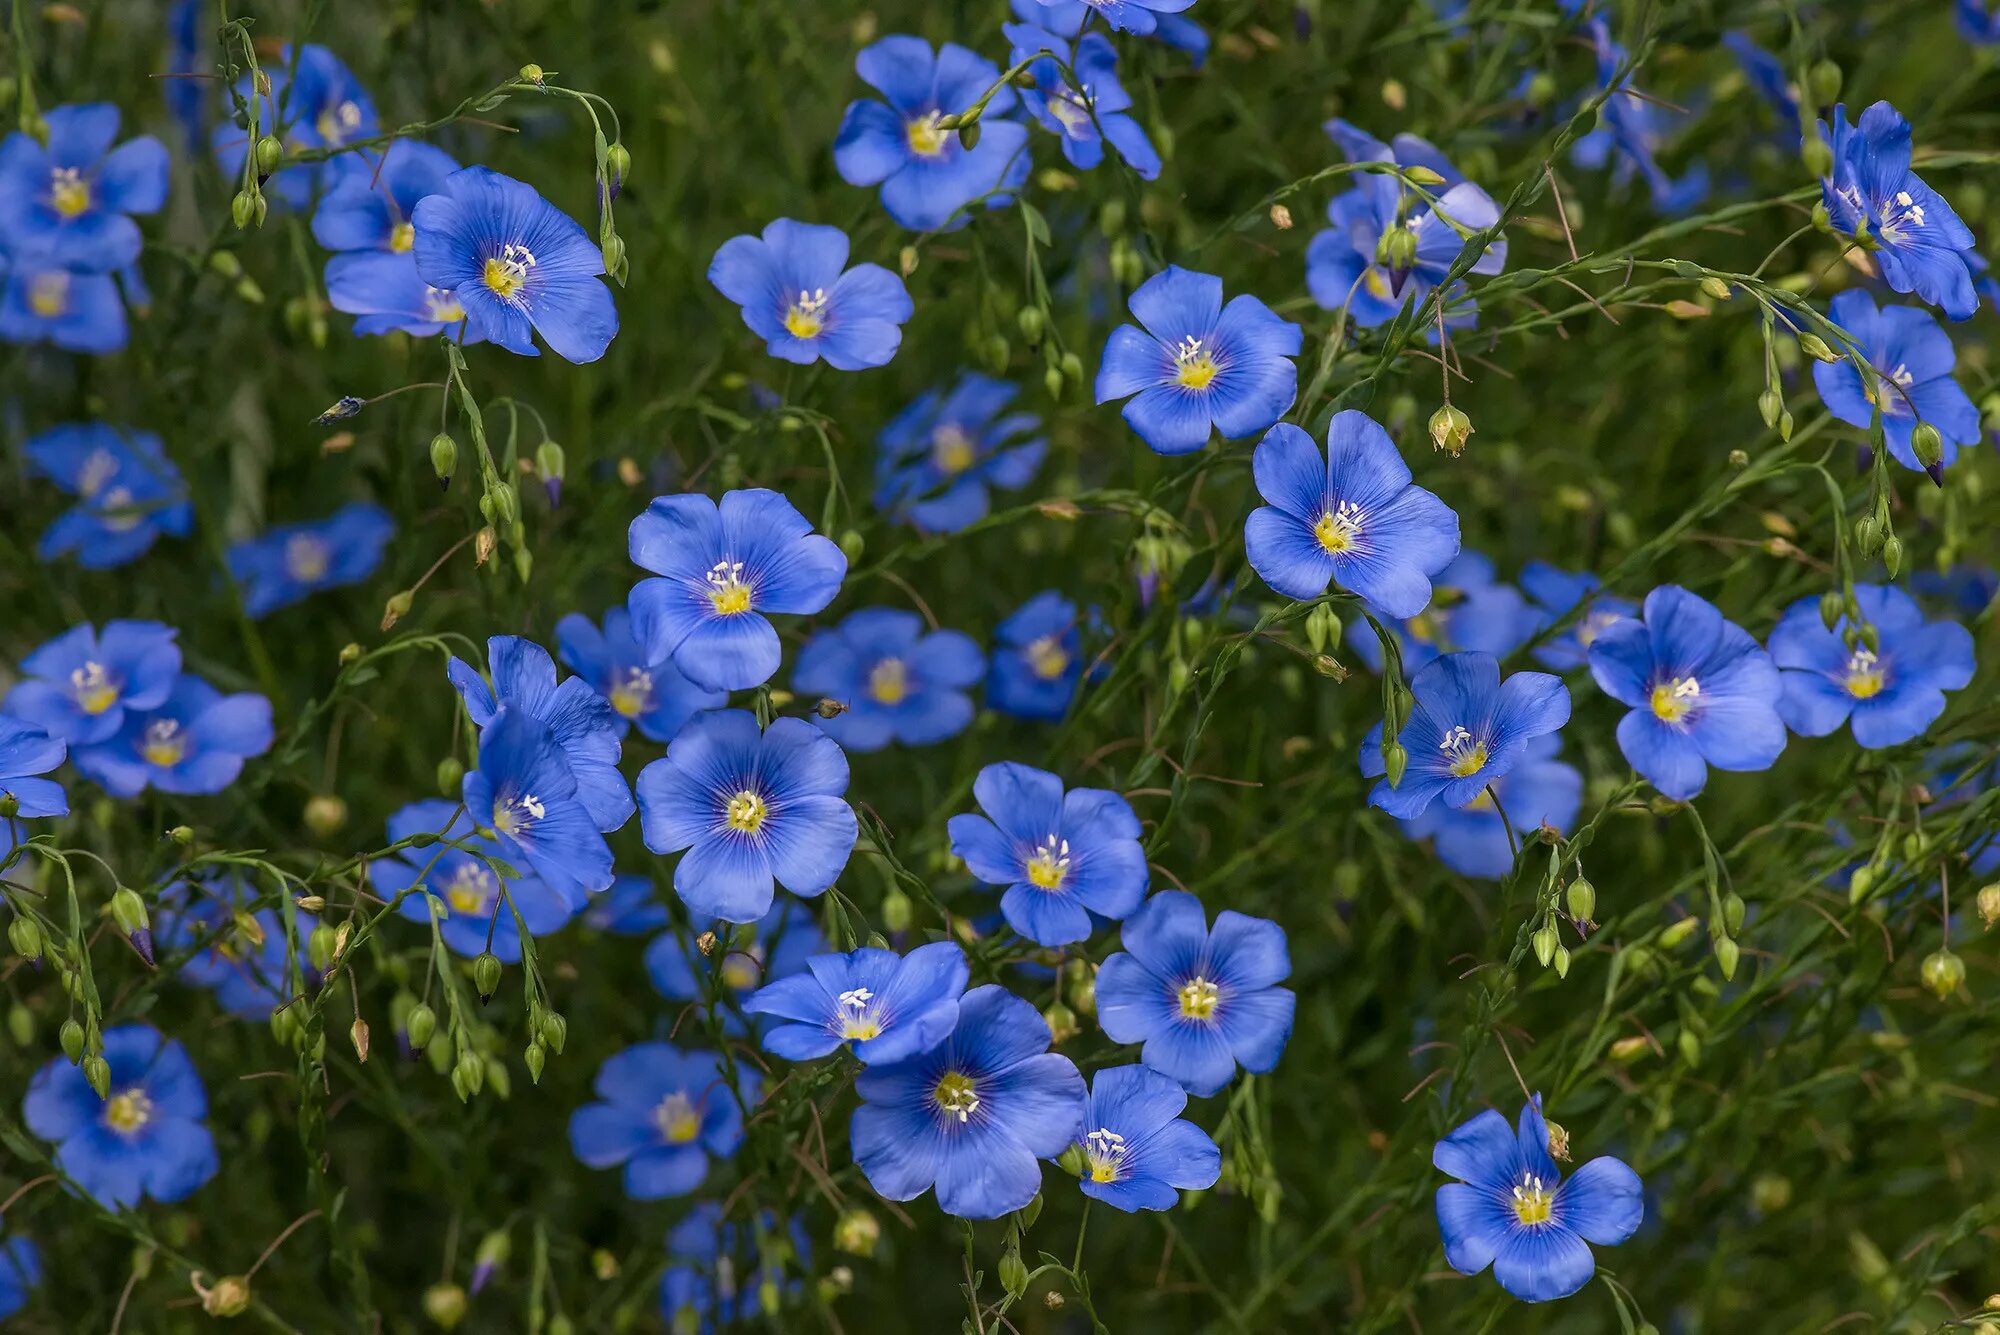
(325, 814)
(1033, 323)
(1394, 759)
(1630, 1048)
(1989, 904)
(555, 1032)
(1675, 933)
(1868, 536)
(444, 1304)
(1892, 554)
(1545, 943)
(857, 1233)
(1450, 429)
(617, 165)
(70, 1036)
(1330, 667)
(468, 1075)
(397, 608)
(1816, 348)
(486, 974)
(444, 457)
(1769, 405)
(270, 152)
(550, 462)
(26, 938)
(97, 1072)
(1061, 1021)
(1928, 446)
(230, 1297)
(450, 776)
(534, 1059)
(357, 1034)
(1727, 953)
(1818, 158)
(1558, 1141)
(484, 544)
(1715, 287)
(1943, 972)
(1281, 217)
(243, 209)
(1013, 1273)
(1823, 81)
(1582, 900)
(342, 408)
(896, 911)
(420, 1025)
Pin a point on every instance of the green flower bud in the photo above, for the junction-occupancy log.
(420, 1025)
(26, 937)
(20, 1025)
(555, 1032)
(1989, 904)
(1824, 82)
(70, 1036)
(1727, 953)
(1715, 287)
(1819, 161)
(325, 814)
(1769, 405)
(1943, 972)
(506, 505)
(270, 152)
(614, 254)
(470, 1071)
(1732, 912)
(1816, 348)
(997, 353)
(444, 457)
(896, 911)
(1545, 943)
(486, 974)
(1928, 445)
(1868, 536)
(1061, 1021)
(1770, 1193)
(1688, 1043)
(397, 608)
(97, 1071)
(1033, 323)
(1450, 429)
(450, 776)
(319, 947)
(445, 1305)
(617, 165)
(229, 1298)
(182, 835)
(1678, 932)
(1582, 900)
(1052, 381)
(969, 136)
(1072, 367)
(242, 209)
(533, 1059)
(1562, 961)
(1322, 627)
(1013, 1272)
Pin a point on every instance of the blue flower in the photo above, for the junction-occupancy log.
(889, 1007)
(798, 295)
(1634, 127)
(370, 207)
(20, 1272)
(1892, 692)
(1197, 365)
(464, 880)
(1350, 515)
(129, 493)
(586, 729)
(1768, 76)
(243, 956)
(1555, 595)
(526, 791)
(68, 204)
(1348, 264)
(311, 104)
(1469, 610)
(190, 64)
(941, 454)
(1200, 1000)
(1702, 692)
(77, 312)
(79, 685)
(628, 908)
(1915, 239)
(1037, 659)
(388, 296)
(898, 683)
(25, 753)
(1067, 18)
(749, 807)
(722, 569)
(1087, 115)
(1062, 856)
(1137, 16)
(718, 1270)
(1977, 24)
(1472, 840)
(1511, 1209)
(146, 1139)
(650, 692)
(776, 946)
(1910, 359)
(194, 742)
(287, 563)
(1137, 1152)
(1466, 729)
(927, 174)
(518, 265)
(665, 1113)
(1967, 588)
(972, 1115)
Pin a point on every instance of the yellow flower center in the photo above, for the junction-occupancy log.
(1104, 1150)
(727, 589)
(677, 1119)
(1864, 675)
(858, 1019)
(1467, 756)
(952, 449)
(746, 812)
(1049, 867)
(402, 238)
(470, 889)
(889, 682)
(128, 1111)
(957, 1095)
(1338, 529)
(743, 969)
(93, 688)
(515, 816)
(1047, 658)
(69, 193)
(1879, 394)
(336, 122)
(1199, 998)
(804, 320)
(306, 558)
(632, 694)
(48, 294)
(1376, 282)
(442, 307)
(1533, 1203)
(1194, 364)
(1674, 699)
(926, 139)
(507, 272)
(163, 743)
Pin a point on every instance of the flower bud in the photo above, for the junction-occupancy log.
(325, 814)
(242, 209)
(1582, 900)
(1943, 972)
(444, 1304)
(450, 776)
(129, 912)
(494, 1249)
(319, 947)
(357, 1034)
(617, 166)
(1061, 1021)
(1733, 909)
(1013, 1272)
(182, 835)
(97, 1072)
(1281, 217)
(1450, 429)
(857, 1233)
(896, 911)
(506, 505)
(1688, 1044)
(1052, 381)
(70, 1036)
(1727, 953)
(26, 937)
(484, 544)
(270, 152)
(420, 1025)
(1394, 759)
(1989, 904)
(1715, 287)
(470, 1072)
(1674, 934)
(1769, 405)
(532, 73)
(397, 608)
(342, 408)
(1545, 943)
(555, 1032)
(1823, 80)
(444, 457)
(1558, 1141)
(1816, 348)
(1770, 1193)
(1322, 627)
(1630, 1048)
(550, 462)
(229, 1298)
(1562, 961)
(1072, 367)
(534, 1059)
(1033, 322)
(1868, 536)
(486, 975)
(1928, 446)
(1819, 161)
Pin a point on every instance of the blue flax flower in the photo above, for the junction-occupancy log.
(287, 563)
(1512, 1210)
(146, 1139)
(746, 957)
(1351, 515)
(1068, 18)
(1471, 839)
(312, 102)
(1136, 16)
(69, 203)
(242, 956)
(77, 312)
(195, 741)
(1913, 236)
(386, 295)
(1892, 692)
(20, 1273)
(1469, 609)
(1062, 855)
(889, 1007)
(526, 792)
(650, 692)
(664, 1114)
(1138, 1153)
(189, 65)
(722, 568)
(942, 454)
(1037, 659)
(26, 752)
(719, 1272)
(750, 807)
(628, 908)
(1558, 593)
(972, 1115)
(370, 207)
(1771, 80)
(1087, 114)
(927, 174)
(518, 265)
(799, 296)
(1634, 128)
(1979, 22)
(898, 682)
(79, 685)
(128, 493)
(1198, 366)
(1910, 359)
(465, 882)
(1201, 1000)
(1702, 693)
(1466, 728)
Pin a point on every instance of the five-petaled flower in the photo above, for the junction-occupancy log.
(313, 102)
(287, 563)
(1891, 691)
(942, 454)
(68, 203)
(1037, 659)
(1088, 113)
(897, 682)
(663, 1114)
(1575, 599)
(1137, 1151)
(128, 493)
(194, 741)
(1908, 379)
(79, 685)
(650, 692)
(799, 296)
(462, 878)
(1466, 728)
(147, 1138)
(883, 1006)
(525, 791)
(1473, 840)
(1914, 237)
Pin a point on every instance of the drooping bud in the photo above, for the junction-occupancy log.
(70, 1036)
(97, 1072)
(182, 835)
(532, 73)
(341, 409)
(325, 814)
(444, 1304)
(1727, 953)
(444, 457)
(549, 464)
(896, 911)
(357, 1034)
(1545, 942)
(555, 1031)
(1322, 627)
(1715, 287)
(1892, 554)
(1943, 972)
(534, 1059)
(1013, 1272)
(493, 1252)
(420, 1025)
(1928, 446)
(242, 209)
(1769, 405)
(1675, 933)
(1989, 904)
(396, 608)
(1630, 1048)
(450, 775)
(617, 166)
(270, 152)
(486, 975)
(1394, 760)
(1816, 348)
(1061, 1021)
(1824, 82)
(1450, 429)
(319, 947)
(230, 1297)
(1733, 910)
(1818, 158)
(1582, 900)
(468, 1074)
(26, 937)
(129, 912)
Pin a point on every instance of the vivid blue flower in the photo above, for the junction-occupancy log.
(1978, 23)
(78, 686)
(889, 1007)
(1139, 16)
(1137, 1152)
(287, 563)
(723, 568)
(1511, 1209)
(370, 207)
(463, 878)
(1197, 365)
(1350, 515)
(1062, 855)
(1469, 609)
(972, 1115)
(388, 296)
(1347, 265)
(1910, 359)
(194, 742)
(128, 492)
(1916, 241)
(20, 1273)
(1634, 128)
(1067, 18)
(628, 908)
(927, 174)
(1891, 693)
(1086, 115)
(146, 1139)
(1702, 692)
(799, 296)
(1037, 659)
(1472, 840)
(518, 265)
(1466, 728)
(1769, 77)
(528, 794)
(26, 752)
(1201, 1000)
(941, 454)
(664, 1114)
(776, 946)
(318, 103)
(586, 729)
(241, 955)
(650, 692)
(750, 808)
(1555, 595)
(77, 312)
(68, 204)
(898, 682)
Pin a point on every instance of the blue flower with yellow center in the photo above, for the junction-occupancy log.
(69, 202)
(1909, 379)
(1137, 1152)
(128, 492)
(526, 792)
(898, 682)
(1466, 728)
(475, 900)
(650, 692)
(1557, 595)
(882, 1006)
(287, 563)
(799, 296)
(310, 100)
(1633, 129)
(370, 205)
(1091, 110)
(1890, 693)
(147, 1138)
(1472, 839)
(78, 686)
(1915, 239)
(664, 1115)
(942, 455)
(194, 741)
(1037, 659)
(1470, 608)
(75, 311)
